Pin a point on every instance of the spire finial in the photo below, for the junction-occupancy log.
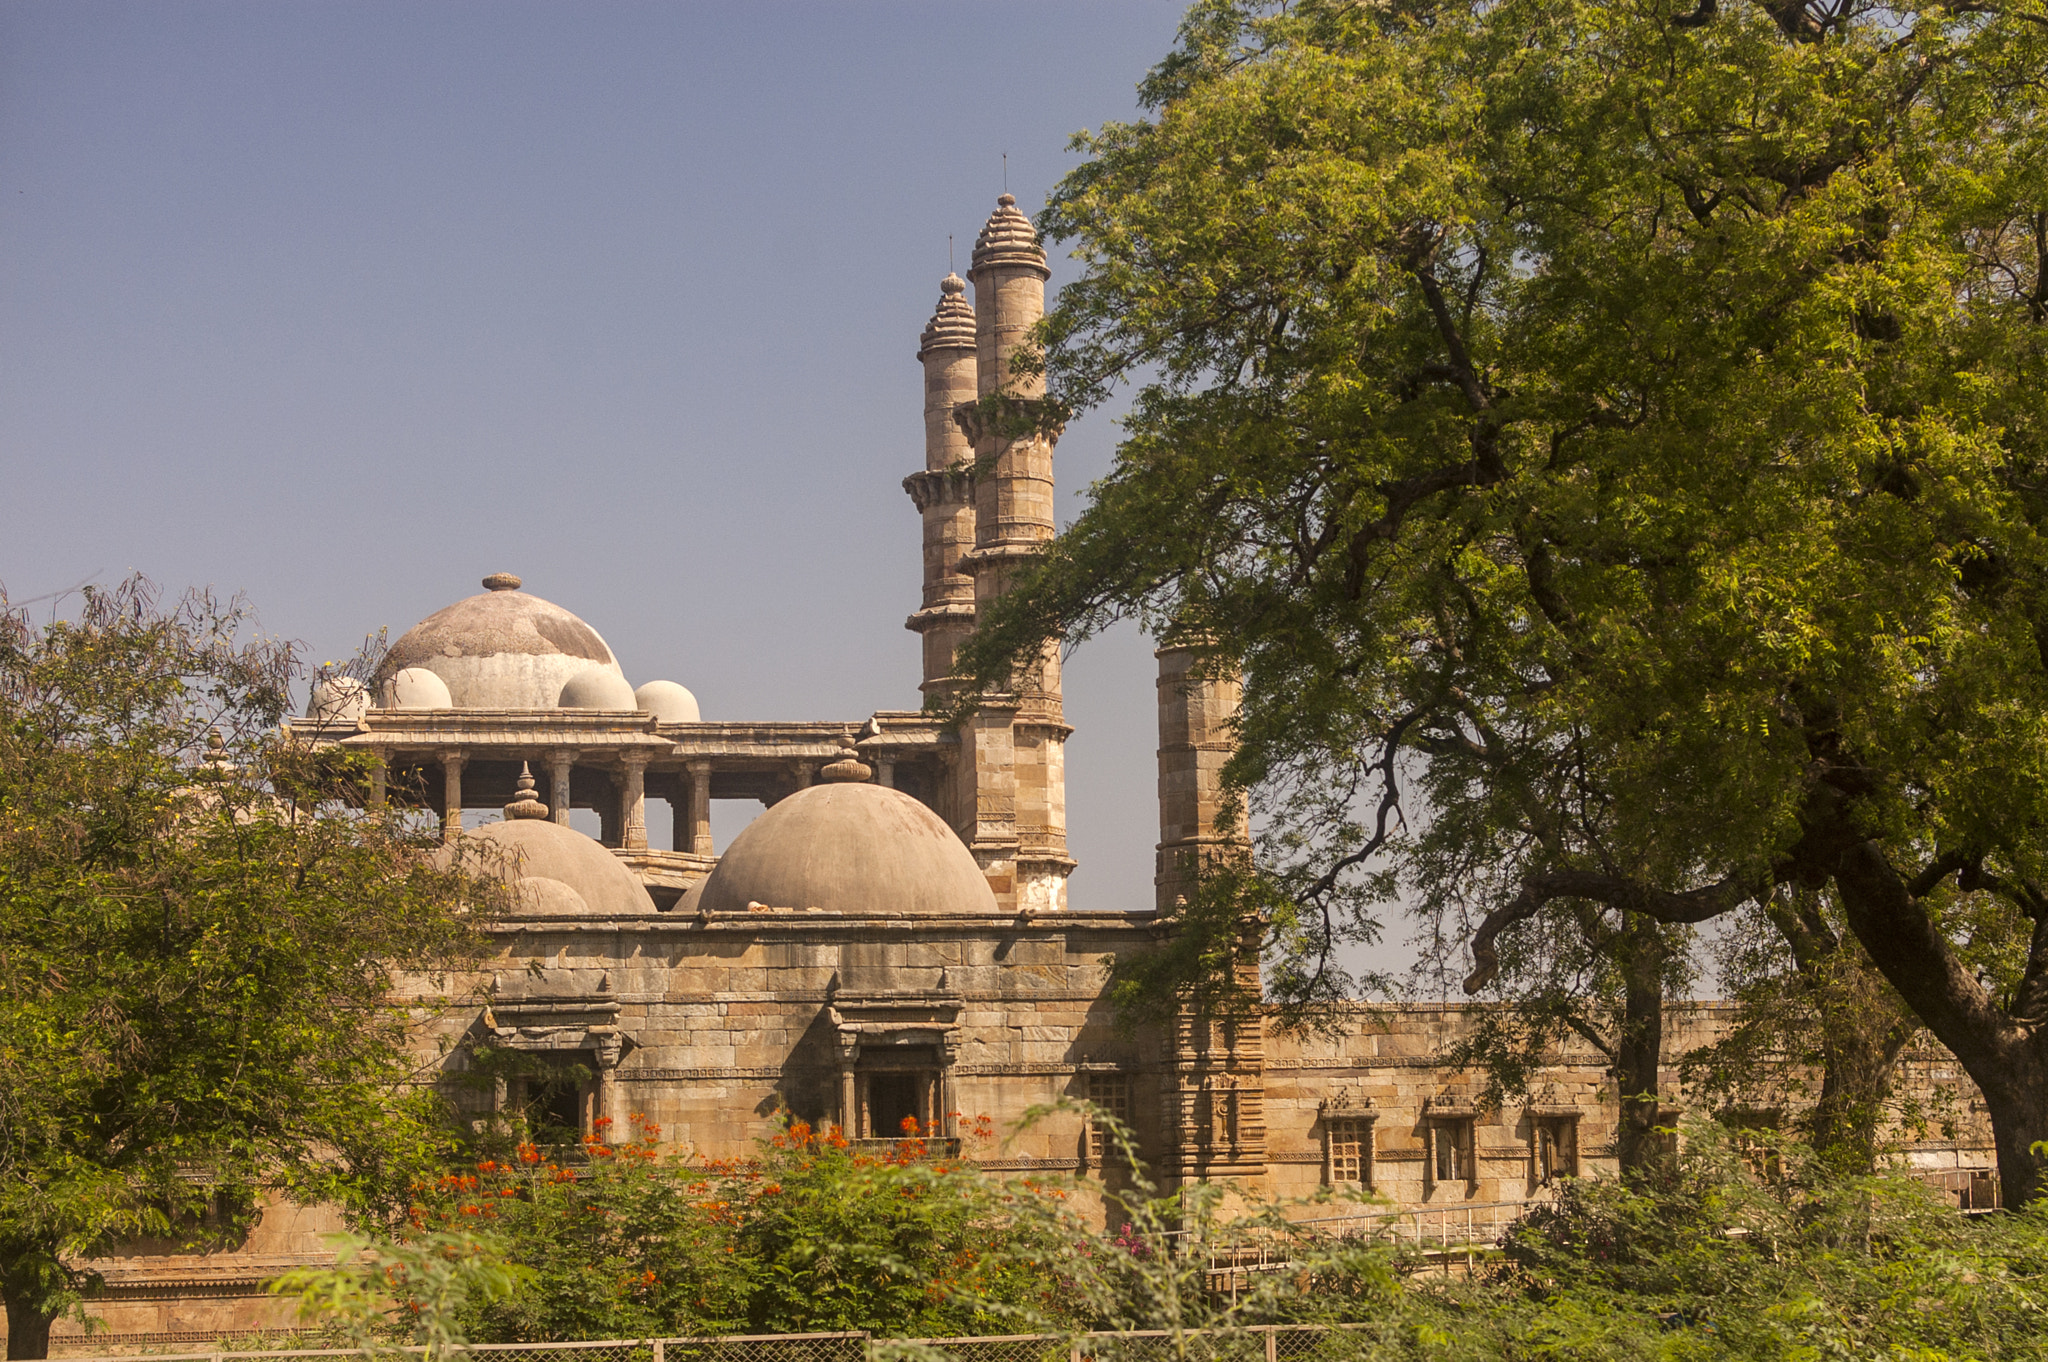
(525, 803)
(952, 323)
(501, 581)
(849, 769)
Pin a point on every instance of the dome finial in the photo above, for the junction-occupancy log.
(952, 324)
(1007, 241)
(501, 581)
(849, 769)
(526, 804)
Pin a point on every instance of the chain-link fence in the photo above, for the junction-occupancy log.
(1262, 1343)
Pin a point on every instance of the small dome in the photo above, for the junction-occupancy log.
(558, 871)
(339, 700)
(414, 688)
(1007, 239)
(503, 649)
(952, 325)
(597, 688)
(668, 702)
(848, 848)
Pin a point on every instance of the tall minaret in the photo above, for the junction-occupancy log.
(1014, 748)
(944, 491)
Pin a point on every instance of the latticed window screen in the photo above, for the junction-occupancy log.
(1112, 1093)
(1350, 1149)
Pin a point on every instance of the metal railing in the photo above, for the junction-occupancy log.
(1256, 1343)
(1975, 1189)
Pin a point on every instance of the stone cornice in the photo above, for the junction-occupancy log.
(1066, 922)
(1002, 416)
(941, 486)
(520, 729)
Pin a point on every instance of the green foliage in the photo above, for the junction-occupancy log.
(417, 1290)
(813, 1233)
(1609, 437)
(198, 938)
(1715, 1258)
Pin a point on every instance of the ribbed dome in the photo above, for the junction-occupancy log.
(1007, 238)
(557, 871)
(503, 649)
(848, 848)
(952, 325)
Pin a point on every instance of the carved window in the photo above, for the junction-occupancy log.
(557, 1095)
(1754, 1133)
(1450, 1150)
(1348, 1149)
(1111, 1093)
(1554, 1147)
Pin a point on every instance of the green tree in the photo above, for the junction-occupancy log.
(199, 935)
(1610, 439)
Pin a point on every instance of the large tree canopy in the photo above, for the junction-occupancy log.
(1610, 438)
(198, 942)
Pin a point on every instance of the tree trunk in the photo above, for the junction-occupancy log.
(2005, 1056)
(1862, 1036)
(1639, 1049)
(1864, 1026)
(28, 1328)
(2019, 1121)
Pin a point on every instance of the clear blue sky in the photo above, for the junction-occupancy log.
(345, 305)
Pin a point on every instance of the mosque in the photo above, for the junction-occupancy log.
(891, 938)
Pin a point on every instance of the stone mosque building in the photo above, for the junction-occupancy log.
(892, 936)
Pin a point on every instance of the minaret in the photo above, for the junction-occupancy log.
(944, 491)
(1014, 748)
(1219, 1104)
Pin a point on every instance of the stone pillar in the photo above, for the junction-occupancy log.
(451, 795)
(1013, 519)
(1196, 714)
(380, 781)
(700, 808)
(949, 1095)
(1219, 1054)
(559, 766)
(611, 1048)
(944, 491)
(849, 1114)
(633, 801)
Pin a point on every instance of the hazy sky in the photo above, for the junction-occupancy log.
(345, 305)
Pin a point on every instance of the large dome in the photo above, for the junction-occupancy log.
(557, 871)
(503, 649)
(848, 848)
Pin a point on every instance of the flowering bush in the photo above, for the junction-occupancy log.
(811, 1233)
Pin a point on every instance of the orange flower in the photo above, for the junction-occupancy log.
(529, 1153)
